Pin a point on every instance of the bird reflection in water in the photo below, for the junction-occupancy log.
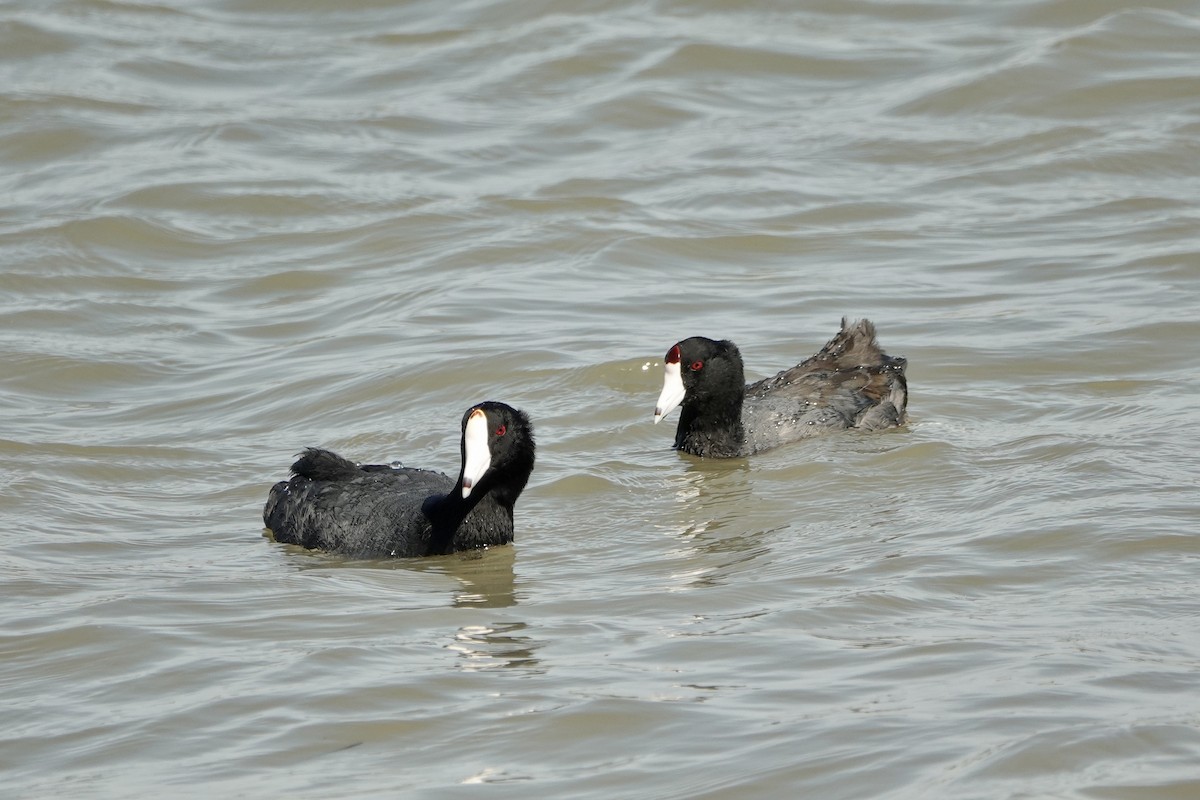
(487, 580)
(708, 495)
(499, 645)
(714, 521)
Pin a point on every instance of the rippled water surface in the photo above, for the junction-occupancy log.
(229, 230)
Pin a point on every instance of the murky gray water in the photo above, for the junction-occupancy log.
(232, 229)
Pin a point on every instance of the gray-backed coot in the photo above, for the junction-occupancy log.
(333, 504)
(850, 383)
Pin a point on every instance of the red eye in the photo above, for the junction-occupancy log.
(501, 430)
(697, 365)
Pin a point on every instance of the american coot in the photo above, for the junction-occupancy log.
(850, 383)
(375, 510)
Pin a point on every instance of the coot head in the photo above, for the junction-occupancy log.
(497, 449)
(700, 373)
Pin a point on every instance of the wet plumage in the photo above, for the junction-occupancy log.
(331, 503)
(849, 383)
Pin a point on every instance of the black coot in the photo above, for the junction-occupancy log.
(374, 510)
(850, 383)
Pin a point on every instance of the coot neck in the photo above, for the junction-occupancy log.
(712, 427)
(448, 514)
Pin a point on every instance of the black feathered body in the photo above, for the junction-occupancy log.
(373, 511)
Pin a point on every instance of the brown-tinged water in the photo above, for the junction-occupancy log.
(230, 229)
